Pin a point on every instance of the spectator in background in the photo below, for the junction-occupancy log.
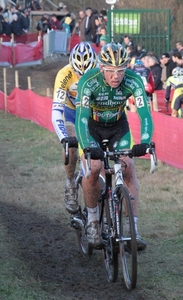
(82, 20)
(25, 19)
(179, 47)
(90, 25)
(76, 29)
(103, 40)
(127, 41)
(6, 25)
(177, 58)
(168, 62)
(54, 22)
(102, 21)
(73, 22)
(1, 20)
(60, 6)
(156, 69)
(16, 25)
(103, 13)
(43, 25)
(140, 50)
(35, 5)
(66, 27)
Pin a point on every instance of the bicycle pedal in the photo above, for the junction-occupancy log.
(74, 224)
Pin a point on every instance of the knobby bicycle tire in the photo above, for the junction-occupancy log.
(128, 248)
(110, 249)
(83, 243)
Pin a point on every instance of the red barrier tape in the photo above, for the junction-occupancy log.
(21, 53)
(167, 130)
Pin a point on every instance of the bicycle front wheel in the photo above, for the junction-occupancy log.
(128, 245)
(110, 246)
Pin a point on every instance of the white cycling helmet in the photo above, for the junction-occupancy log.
(83, 58)
(178, 71)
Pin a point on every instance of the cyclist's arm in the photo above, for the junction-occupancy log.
(143, 111)
(59, 100)
(168, 89)
(83, 112)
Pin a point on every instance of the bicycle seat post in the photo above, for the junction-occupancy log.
(106, 149)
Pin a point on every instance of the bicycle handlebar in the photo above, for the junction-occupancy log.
(113, 155)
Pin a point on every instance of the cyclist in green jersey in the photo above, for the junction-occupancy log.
(100, 114)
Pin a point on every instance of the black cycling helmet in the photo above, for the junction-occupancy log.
(113, 54)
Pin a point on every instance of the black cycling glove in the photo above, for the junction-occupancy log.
(95, 153)
(72, 141)
(139, 149)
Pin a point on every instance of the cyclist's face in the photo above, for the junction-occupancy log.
(113, 75)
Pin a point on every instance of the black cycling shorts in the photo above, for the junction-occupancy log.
(109, 131)
(178, 102)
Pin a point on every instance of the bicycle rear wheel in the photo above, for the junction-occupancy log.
(128, 245)
(110, 247)
(80, 217)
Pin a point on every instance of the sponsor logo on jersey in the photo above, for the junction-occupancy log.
(105, 114)
(124, 143)
(131, 83)
(84, 121)
(138, 92)
(87, 92)
(119, 91)
(145, 136)
(65, 80)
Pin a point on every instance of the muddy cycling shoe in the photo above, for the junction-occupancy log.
(92, 231)
(71, 198)
(141, 244)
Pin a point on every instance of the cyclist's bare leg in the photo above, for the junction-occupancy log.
(174, 113)
(71, 201)
(91, 187)
(73, 153)
(91, 191)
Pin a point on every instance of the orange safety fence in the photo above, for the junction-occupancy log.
(167, 130)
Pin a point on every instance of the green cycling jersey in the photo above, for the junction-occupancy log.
(106, 105)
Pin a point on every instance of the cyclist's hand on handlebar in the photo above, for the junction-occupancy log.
(166, 100)
(71, 140)
(139, 149)
(95, 153)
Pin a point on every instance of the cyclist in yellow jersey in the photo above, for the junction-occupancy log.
(82, 58)
(175, 81)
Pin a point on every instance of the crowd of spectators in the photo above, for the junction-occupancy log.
(14, 19)
(161, 67)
